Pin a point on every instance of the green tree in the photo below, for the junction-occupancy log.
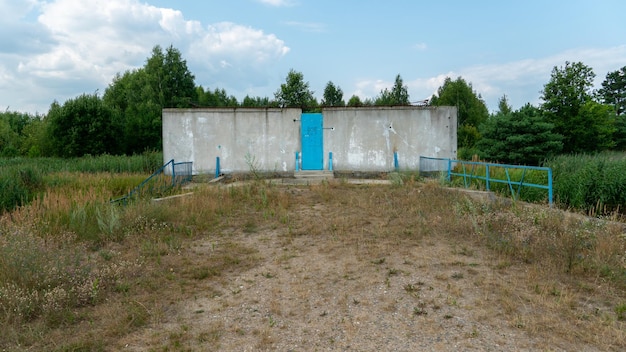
(519, 137)
(13, 128)
(215, 99)
(567, 92)
(295, 92)
(355, 101)
(592, 129)
(170, 79)
(83, 125)
(613, 91)
(132, 96)
(333, 95)
(256, 102)
(471, 109)
(619, 137)
(34, 138)
(9, 139)
(398, 95)
(140, 95)
(504, 108)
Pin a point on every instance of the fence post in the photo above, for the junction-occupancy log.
(550, 186)
(173, 173)
(330, 161)
(449, 170)
(297, 161)
(217, 166)
(487, 176)
(396, 165)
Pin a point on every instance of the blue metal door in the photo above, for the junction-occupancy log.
(312, 141)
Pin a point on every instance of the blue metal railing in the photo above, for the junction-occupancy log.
(330, 161)
(297, 161)
(472, 170)
(396, 164)
(181, 174)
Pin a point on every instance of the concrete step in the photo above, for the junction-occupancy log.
(314, 174)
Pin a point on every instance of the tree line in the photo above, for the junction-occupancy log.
(126, 119)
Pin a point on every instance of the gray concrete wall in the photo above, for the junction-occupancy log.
(266, 139)
(365, 139)
(361, 139)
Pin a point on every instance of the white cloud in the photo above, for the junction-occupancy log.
(88, 42)
(241, 43)
(420, 46)
(522, 81)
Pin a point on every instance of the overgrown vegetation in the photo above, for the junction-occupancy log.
(595, 184)
(76, 271)
(23, 179)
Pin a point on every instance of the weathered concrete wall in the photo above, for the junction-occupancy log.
(361, 139)
(365, 139)
(266, 139)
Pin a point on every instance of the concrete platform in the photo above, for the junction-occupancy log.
(314, 174)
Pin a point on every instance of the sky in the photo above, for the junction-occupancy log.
(59, 49)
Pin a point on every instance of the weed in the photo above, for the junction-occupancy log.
(212, 335)
(137, 315)
(393, 272)
(411, 288)
(418, 311)
(457, 275)
(253, 166)
(620, 310)
(250, 226)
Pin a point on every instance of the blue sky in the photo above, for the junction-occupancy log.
(59, 49)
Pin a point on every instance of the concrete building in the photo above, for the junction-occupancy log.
(286, 140)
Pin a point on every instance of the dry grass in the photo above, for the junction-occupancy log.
(329, 266)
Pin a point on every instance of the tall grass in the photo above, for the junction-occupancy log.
(592, 183)
(19, 186)
(22, 179)
(141, 163)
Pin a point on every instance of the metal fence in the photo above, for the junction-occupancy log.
(182, 173)
(487, 174)
(159, 183)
